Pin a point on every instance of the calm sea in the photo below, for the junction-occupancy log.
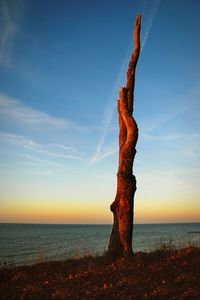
(31, 243)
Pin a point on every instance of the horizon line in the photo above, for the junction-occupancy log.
(151, 223)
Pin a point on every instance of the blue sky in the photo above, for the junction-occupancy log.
(61, 66)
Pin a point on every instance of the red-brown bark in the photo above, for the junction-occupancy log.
(122, 208)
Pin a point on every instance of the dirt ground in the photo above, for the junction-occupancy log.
(163, 274)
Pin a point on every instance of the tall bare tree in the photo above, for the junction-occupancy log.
(122, 207)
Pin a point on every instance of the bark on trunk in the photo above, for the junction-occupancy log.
(122, 208)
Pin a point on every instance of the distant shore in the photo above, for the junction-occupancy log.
(165, 273)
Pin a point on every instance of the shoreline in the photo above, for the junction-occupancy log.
(165, 273)
(28, 243)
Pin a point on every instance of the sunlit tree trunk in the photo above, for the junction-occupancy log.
(122, 208)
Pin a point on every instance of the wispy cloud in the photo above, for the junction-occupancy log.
(151, 18)
(63, 147)
(15, 110)
(183, 107)
(8, 31)
(46, 150)
(162, 119)
(36, 160)
(164, 138)
(103, 155)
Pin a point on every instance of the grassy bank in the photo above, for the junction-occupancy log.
(162, 274)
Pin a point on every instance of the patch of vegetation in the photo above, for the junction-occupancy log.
(166, 273)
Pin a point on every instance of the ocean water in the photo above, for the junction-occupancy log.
(31, 243)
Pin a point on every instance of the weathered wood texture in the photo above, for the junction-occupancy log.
(121, 236)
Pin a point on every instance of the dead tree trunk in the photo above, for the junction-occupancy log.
(122, 208)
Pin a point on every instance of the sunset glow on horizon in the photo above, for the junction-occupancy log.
(62, 65)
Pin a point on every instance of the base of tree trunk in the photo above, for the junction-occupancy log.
(121, 236)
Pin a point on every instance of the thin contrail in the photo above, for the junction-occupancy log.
(109, 109)
(152, 17)
(8, 34)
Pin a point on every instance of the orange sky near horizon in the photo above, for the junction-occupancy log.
(60, 212)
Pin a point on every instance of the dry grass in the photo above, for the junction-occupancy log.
(165, 273)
